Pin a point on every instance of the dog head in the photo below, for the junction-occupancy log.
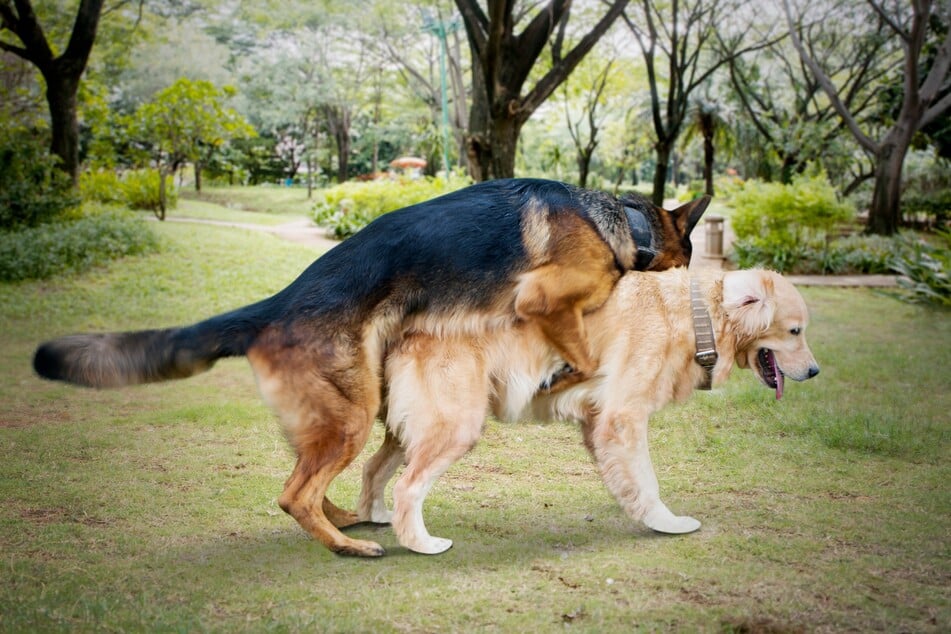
(662, 236)
(768, 317)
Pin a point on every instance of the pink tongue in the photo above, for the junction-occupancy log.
(779, 379)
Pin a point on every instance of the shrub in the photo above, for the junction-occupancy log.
(350, 206)
(33, 189)
(778, 225)
(137, 189)
(102, 186)
(923, 270)
(55, 248)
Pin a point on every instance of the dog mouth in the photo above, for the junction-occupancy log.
(769, 371)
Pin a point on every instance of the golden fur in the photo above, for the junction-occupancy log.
(441, 389)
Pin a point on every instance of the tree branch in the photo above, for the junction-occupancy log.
(827, 85)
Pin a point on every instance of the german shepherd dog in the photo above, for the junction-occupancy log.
(644, 336)
(477, 259)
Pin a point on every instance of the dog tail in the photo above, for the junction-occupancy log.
(148, 356)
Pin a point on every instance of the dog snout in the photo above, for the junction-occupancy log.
(813, 371)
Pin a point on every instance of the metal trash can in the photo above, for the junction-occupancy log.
(714, 245)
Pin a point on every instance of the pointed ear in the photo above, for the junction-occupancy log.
(749, 300)
(687, 216)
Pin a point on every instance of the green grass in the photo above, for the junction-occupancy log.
(154, 508)
(262, 199)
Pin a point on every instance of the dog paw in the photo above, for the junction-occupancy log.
(431, 546)
(562, 379)
(358, 548)
(662, 520)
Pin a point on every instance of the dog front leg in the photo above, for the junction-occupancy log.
(618, 441)
(549, 298)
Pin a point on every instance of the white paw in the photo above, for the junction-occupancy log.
(431, 546)
(660, 519)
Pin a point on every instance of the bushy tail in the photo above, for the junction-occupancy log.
(147, 356)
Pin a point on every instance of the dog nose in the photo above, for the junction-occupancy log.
(813, 370)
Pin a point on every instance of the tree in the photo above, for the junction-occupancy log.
(921, 104)
(783, 102)
(585, 135)
(416, 59)
(708, 119)
(502, 63)
(60, 72)
(184, 122)
(683, 45)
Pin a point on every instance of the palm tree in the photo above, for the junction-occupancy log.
(711, 120)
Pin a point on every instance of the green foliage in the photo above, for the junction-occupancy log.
(350, 206)
(924, 270)
(933, 208)
(52, 249)
(780, 225)
(33, 189)
(187, 120)
(842, 256)
(137, 189)
(141, 190)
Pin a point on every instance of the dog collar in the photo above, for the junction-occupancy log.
(643, 236)
(706, 354)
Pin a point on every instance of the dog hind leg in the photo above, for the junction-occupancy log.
(328, 427)
(377, 472)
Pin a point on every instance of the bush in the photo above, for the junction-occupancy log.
(842, 256)
(137, 189)
(779, 225)
(54, 248)
(141, 189)
(923, 270)
(102, 186)
(33, 189)
(350, 206)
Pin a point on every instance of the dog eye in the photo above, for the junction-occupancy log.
(795, 331)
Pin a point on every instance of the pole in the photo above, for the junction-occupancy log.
(441, 30)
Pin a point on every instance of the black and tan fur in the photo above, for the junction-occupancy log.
(464, 264)
(644, 337)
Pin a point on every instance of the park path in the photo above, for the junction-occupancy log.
(304, 231)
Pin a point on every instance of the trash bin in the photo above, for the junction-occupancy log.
(714, 244)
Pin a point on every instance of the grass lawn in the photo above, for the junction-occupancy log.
(261, 199)
(153, 508)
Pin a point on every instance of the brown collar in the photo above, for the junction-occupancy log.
(706, 354)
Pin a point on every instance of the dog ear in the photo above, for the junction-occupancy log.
(687, 216)
(749, 300)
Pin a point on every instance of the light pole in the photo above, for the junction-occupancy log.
(441, 29)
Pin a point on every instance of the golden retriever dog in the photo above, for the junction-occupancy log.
(440, 389)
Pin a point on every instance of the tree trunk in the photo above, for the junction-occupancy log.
(663, 151)
(884, 214)
(160, 212)
(198, 176)
(709, 155)
(503, 143)
(584, 165)
(61, 98)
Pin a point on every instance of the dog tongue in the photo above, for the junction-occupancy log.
(778, 375)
